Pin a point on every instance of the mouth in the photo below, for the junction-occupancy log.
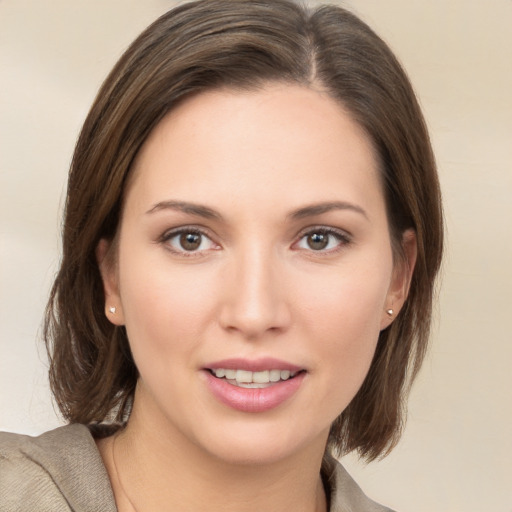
(254, 385)
(257, 379)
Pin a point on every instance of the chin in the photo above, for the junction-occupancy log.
(263, 444)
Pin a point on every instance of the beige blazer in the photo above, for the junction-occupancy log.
(62, 471)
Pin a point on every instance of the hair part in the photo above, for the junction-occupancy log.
(243, 45)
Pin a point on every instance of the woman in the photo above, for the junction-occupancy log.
(252, 233)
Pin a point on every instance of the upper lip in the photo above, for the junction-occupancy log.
(254, 365)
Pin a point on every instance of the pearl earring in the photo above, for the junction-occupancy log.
(390, 312)
(112, 309)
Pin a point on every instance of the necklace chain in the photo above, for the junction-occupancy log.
(118, 476)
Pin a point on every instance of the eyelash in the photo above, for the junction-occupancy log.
(342, 238)
(173, 233)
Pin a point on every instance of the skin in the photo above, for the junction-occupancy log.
(256, 287)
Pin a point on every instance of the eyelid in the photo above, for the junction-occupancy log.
(173, 232)
(344, 237)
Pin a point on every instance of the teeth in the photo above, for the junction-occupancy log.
(230, 374)
(247, 377)
(275, 375)
(261, 377)
(243, 376)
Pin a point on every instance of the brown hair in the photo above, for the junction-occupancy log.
(242, 44)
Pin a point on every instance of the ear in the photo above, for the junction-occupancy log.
(401, 278)
(108, 271)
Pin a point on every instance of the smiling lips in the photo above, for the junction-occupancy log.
(248, 379)
(253, 386)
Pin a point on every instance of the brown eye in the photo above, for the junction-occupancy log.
(190, 241)
(323, 240)
(317, 241)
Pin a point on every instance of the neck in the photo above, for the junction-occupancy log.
(153, 471)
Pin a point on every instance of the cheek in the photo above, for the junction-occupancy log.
(347, 300)
(165, 306)
(349, 329)
(342, 316)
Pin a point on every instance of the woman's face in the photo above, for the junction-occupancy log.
(254, 271)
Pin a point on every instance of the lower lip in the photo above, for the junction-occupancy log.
(253, 399)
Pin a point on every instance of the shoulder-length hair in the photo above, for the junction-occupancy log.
(242, 44)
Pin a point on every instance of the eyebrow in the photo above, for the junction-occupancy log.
(208, 213)
(318, 209)
(190, 208)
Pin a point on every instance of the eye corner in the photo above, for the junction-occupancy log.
(322, 240)
(188, 241)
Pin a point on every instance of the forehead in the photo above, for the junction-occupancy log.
(263, 144)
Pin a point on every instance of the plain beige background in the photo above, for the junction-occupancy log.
(456, 453)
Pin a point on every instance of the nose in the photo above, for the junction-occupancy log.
(254, 296)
